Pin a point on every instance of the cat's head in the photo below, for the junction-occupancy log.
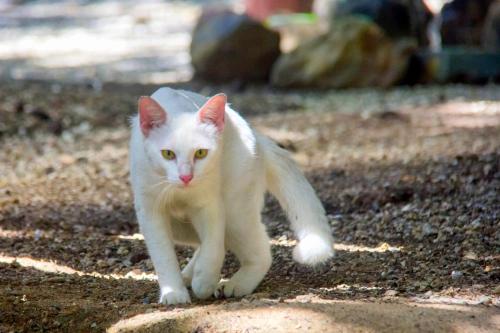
(183, 146)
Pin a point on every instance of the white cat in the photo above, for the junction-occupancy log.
(199, 174)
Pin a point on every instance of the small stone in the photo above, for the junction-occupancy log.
(101, 263)
(476, 224)
(406, 208)
(456, 275)
(38, 234)
(390, 293)
(93, 325)
(146, 300)
(122, 250)
(127, 263)
(484, 299)
(427, 229)
(67, 159)
(469, 255)
(304, 298)
(111, 261)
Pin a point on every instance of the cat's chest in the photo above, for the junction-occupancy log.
(182, 206)
(180, 213)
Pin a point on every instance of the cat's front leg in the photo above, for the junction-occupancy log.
(209, 224)
(161, 249)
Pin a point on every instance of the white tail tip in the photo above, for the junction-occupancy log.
(313, 249)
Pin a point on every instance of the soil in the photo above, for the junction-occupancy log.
(409, 177)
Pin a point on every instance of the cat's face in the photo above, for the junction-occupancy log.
(182, 147)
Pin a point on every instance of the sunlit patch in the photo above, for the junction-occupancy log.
(5, 233)
(468, 114)
(284, 241)
(312, 314)
(131, 237)
(346, 287)
(455, 300)
(290, 317)
(383, 247)
(52, 267)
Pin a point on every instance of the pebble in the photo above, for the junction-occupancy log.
(390, 293)
(101, 263)
(111, 261)
(484, 299)
(476, 224)
(456, 275)
(122, 250)
(127, 263)
(38, 234)
(427, 229)
(304, 298)
(67, 159)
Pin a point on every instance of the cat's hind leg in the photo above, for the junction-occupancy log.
(246, 237)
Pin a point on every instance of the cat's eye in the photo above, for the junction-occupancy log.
(201, 153)
(168, 154)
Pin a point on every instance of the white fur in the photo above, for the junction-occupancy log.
(221, 207)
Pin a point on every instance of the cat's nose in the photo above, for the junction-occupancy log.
(186, 178)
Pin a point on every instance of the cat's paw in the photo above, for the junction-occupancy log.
(203, 286)
(174, 296)
(233, 288)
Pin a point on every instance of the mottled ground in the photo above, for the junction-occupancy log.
(409, 177)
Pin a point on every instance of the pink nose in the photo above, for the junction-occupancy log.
(186, 178)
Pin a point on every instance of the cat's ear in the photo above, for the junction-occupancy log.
(213, 111)
(151, 114)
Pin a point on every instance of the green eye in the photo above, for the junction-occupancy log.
(201, 153)
(167, 154)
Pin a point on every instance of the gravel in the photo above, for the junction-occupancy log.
(410, 184)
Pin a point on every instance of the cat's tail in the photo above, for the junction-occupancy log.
(297, 197)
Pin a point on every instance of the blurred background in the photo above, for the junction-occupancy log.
(285, 43)
(391, 108)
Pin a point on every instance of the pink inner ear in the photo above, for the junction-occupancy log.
(213, 111)
(151, 114)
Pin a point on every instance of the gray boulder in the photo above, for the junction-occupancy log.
(226, 46)
(398, 18)
(463, 22)
(491, 30)
(354, 53)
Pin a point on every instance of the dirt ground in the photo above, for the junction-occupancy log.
(409, 177)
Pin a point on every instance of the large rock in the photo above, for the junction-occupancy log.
(398, 18)
(463, 21)
(227, 46)
(491, 30)
(354, 53)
